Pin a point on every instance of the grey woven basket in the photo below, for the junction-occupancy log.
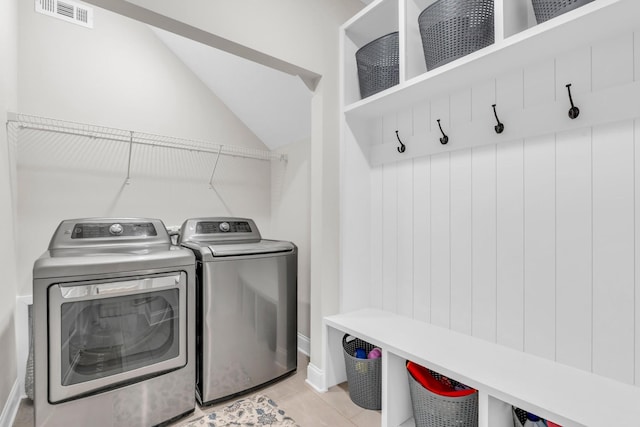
(451, 29)
(363, 375)
(519, 416)
(433, 410)
(547, 9)
(378, 64)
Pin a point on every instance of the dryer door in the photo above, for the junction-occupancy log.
(108, 334)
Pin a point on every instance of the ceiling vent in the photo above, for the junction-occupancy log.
(67, 11)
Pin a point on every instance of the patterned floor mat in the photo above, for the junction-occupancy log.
(258, 410)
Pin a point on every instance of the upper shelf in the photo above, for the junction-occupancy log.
(594, 21)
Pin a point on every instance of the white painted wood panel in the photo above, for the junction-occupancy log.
(605, 106)
(389, 236)
(483, 96)
(440, 240)
(355, 222)
(460, 107)
(421, 120)
(636, 135)
(508, 242)
(636, 55)
(405, 223)
(422, 239)
(539, 246)
(376, 296)
(483, 164)
(461, 247)
(613, 251)
(612, 62)
(510, 245)
(509, 91)
(573, 249)
(539, 84)
(573, 68)
(405, 238)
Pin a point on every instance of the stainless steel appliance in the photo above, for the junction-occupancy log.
(246, 306)
(114, 316)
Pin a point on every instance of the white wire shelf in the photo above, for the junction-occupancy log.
(25, 121)
(17, 121)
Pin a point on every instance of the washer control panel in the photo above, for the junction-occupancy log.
(117, 229)
(116, 233)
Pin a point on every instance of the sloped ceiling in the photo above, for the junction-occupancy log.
(274, 105)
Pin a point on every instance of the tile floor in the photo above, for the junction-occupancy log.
(299, 400)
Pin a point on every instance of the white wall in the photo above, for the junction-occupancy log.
(8, 102)
(304, 33)
(119, 74)
(531, 244)
(290, 217)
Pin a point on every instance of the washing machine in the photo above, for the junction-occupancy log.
(113, 325)
(246, 306)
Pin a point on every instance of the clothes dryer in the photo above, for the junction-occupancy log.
(113, 322)
(246, 306)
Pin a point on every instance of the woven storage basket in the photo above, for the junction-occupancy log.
(519, 416)
(547, 9)
(451, 29)
(434, 410)
(378, 65)
(363, 375)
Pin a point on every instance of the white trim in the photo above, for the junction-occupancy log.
(11, 406)
(22, 338)
(315, 378)
(304, 344)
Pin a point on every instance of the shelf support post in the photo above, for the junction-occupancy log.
(215, 165)
(127, 181)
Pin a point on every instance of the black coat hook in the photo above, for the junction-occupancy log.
(444, 138)
(402, 146)
(499, 128)
(574, 111)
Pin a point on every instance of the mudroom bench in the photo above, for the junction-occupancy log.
(502, 376)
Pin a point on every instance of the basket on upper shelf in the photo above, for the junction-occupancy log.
(378, 64)
(451, 29)
(547, 9)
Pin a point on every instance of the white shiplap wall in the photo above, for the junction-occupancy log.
(533, 244)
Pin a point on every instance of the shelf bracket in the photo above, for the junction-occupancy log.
(127, 181)
(215, 166)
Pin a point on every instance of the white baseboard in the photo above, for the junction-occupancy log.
(315, 378)
(11, 406)
(304, 345)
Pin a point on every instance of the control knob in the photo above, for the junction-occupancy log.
(116, 229)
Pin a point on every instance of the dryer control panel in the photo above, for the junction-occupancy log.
(212, 227)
